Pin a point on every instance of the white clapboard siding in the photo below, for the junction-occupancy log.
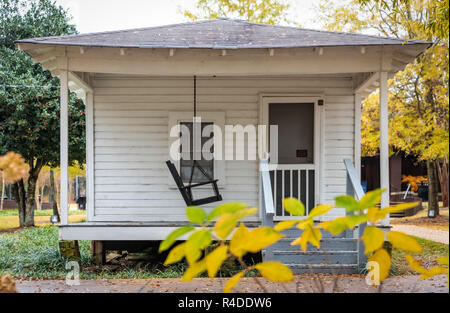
(339, 145)
(131, 116)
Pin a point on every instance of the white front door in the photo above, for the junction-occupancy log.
(296, 172)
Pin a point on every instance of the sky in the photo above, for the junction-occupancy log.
(107, 15)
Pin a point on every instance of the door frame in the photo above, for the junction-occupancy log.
(266, 99)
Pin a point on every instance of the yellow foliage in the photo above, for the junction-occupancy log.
(320, 210)
(196, 242)
(176, 254)
(7, 284)
(257, 11)
(426, 273)
(215, 259)
(414, 181)
(373, 239)
(239, 241)
(227, 222)
(275, 271)
(418, 95)
(294, 206)
(381, 256)
(443, 260)
(311, 235)
(12, 167)
(231, 283)
(194, 269)
(244, 241)
(260, 238)
(404, 242)
(285, 225)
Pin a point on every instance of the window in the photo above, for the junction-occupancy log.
(187, 157)
(214, 168)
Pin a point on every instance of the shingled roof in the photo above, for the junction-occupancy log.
(221, 33)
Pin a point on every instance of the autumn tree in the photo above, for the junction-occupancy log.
(435, 25)
(257, 11)
(418, 95)
(29, 97)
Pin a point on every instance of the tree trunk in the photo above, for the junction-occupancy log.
(53, 194)
(19, 196)
(442, 171)
(3, 191)
(433, 203)
(30, 204)
(36, 197)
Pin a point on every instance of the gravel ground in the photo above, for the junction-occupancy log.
(423, 232)
(302, 283)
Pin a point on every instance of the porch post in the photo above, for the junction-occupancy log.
(64, 146)
(358, 135)
(90, 155)
(384, 144)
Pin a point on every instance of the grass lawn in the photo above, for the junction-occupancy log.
(34, 253)
(431, 251)
(10, 218)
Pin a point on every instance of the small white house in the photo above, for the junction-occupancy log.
(139, 83)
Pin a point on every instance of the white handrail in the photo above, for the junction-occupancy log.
(266, 189)
(352, 178)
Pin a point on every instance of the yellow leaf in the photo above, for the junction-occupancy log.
(336, 226)
(443, 260)
(384, 262)
(239, 241)
(260, 238)
(275, 271)
(227, 222)
(404, 242)
(285, 225)
(194, 270)
(294, 206)
(373, 239)
(312, 235)
(397, 208)
(315, 237)
(353, 220)
(215, 259)
(426, 273)
(231, 283)
(371, 198)
(320, 210)
(414, 265)
(372, 213)
(435, 270)
(196, 242)
(176, 254)
(305, 223)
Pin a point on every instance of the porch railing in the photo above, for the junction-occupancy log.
(292, 180)
(354, 188)
(267, 207)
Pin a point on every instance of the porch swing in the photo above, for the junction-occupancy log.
(186, 190)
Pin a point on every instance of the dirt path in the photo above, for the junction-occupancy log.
(423, 232)
(306, 284)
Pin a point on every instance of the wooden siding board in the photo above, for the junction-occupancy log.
(131, 132)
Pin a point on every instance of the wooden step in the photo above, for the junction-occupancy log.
(294, 232)
(315, 257)
(324, 268)
(326, 244)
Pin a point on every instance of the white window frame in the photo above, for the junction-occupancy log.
(218, 118)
